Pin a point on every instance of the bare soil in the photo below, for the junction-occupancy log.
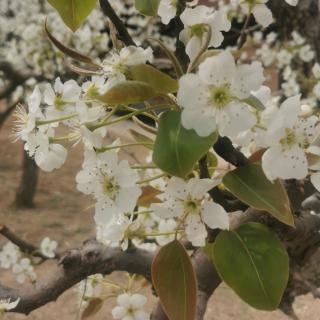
(65, 215)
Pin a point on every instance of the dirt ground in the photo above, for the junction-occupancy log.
(65, 215)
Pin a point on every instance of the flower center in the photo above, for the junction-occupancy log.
(192, 206)
(197, 30)
(93, 92)
(220, 96)
(110, 187)
(59, 103)
(290, 138)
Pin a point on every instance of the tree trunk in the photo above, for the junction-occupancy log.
(28, 184)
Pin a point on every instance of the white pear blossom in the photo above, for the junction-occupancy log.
(260, 11)
(168, 9)
(6, 305)
(130, 307)
(116, 65)
(48, 247)
(9, 255)
(24, 270)
(48, 156)
(213, 98)
(89, 288)
(196, 21)
(94, 88)
(25, 120)
(187, 200)
(115, 230)
(112, 183)
(61, 99)
(289, 136)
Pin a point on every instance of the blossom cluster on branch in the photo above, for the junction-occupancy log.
(173, 197)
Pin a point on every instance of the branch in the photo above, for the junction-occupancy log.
(225, 149)
(23, 245)
(75, 266)
(122, 30)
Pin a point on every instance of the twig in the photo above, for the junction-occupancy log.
(23, 245)
(119, 25)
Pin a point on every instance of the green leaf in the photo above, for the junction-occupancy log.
(254, 102)
(147, 7)
(250, 185)
(73, 12)
(158, 80)
(176, 149)
(254, 263)
(175, 281)
(128, 92)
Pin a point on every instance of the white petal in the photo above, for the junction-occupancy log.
(285, 164)
(193, 16)
(234, 119)
(118, 312)
(166, 11)
(214, 216)
(34, 100)
(262, 14)
(218, 70)
(199, 120)
(192, 93)
(177, 188)
(193, 47)
(195, 230)
(138, 300)
(127, 198)
(199, 187)
(247, 78)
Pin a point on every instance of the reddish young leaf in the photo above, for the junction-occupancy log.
(175, 281)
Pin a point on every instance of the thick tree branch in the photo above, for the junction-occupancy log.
(119, 25)
(77, 265)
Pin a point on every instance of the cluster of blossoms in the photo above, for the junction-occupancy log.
(24, 46)
(12, 258)
(130, 305)
(214, 96)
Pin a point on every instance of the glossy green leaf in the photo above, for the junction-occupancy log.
(73, 12)
(128, 92)
(158, 80)
(147, 7)
(175, 282)
(250, 185)
(254, 263)
(176, 149)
